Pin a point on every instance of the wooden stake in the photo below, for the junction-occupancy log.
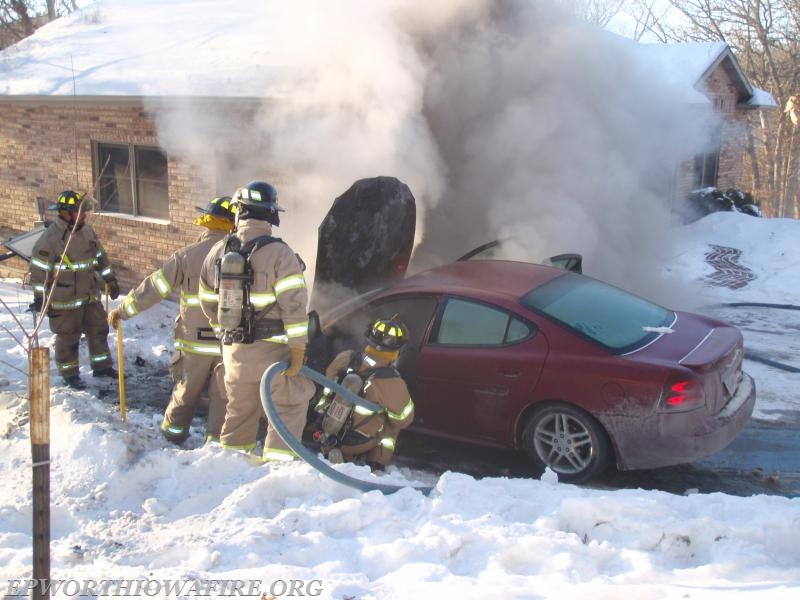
(39, 386)
(121, 369)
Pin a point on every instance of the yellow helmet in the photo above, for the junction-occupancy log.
(220, 207)
(387, 335)
(70, 201)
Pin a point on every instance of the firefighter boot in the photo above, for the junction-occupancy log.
(110, 372)
(75, 382)
(173, 432)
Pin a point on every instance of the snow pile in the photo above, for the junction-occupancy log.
(128, 505)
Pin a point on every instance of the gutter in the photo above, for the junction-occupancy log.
(126, 100)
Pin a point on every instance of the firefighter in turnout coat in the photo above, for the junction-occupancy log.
(277, 329)
(373, 436)
(75, 278)
(197, 362)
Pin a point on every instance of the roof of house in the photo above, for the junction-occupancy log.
(120, 49)
(692, 62)
(123, 48)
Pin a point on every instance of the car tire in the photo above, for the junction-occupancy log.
(569, 441)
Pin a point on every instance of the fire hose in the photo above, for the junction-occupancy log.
(305, 453)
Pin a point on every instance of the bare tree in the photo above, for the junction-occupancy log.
(599, 12)
(16, 21)
(765, 37)
(651, 19)
(20, 18)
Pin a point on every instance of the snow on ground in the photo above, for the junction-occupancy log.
(127, 505)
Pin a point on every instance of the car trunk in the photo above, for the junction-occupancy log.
(715, 353)
(719, 359)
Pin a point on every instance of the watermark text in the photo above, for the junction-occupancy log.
(165, 587)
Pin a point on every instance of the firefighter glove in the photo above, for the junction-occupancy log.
(114, 317)
(113, 289)
(296, 362)
(36, 305)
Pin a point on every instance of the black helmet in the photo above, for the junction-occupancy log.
(258, 200)
(70, 201)
(220, 207)
(387, 335)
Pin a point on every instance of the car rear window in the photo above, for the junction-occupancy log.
(612, 317)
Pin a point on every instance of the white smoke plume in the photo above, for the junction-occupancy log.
(507, 119)
(345, 89)
(558, 139)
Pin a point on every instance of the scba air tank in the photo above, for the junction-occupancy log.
(232, 268)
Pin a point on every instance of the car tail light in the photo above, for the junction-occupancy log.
(683, 395)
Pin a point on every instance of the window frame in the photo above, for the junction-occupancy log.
(445, 301)
(132, 149)
(706, 163)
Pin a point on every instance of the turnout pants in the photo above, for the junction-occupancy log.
(68, 325)
(192, 374)
(244, 366)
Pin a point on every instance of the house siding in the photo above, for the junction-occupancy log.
(46, 148)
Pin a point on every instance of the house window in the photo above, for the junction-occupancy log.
(706, 164)
(132, 180)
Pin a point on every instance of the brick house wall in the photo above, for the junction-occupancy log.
(46, 147)
(720, 89)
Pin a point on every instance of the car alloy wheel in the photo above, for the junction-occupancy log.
(569, 441)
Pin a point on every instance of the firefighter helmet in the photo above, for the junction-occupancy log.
(387, 335)
(222, 206)
(258, 200)
(70, 201)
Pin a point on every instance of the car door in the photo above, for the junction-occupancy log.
(475, 372)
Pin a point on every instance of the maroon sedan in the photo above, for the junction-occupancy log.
(577, 374)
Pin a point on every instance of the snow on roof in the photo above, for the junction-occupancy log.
(193, 48)
(173, 47)
(689, 62)
(760, 99)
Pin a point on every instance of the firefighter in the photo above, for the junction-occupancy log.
(372, 437)
(265, 321)
(74, 277)
(196, 365)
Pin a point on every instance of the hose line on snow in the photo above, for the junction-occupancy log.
(759, 305)
(754, 356)
(305, 453)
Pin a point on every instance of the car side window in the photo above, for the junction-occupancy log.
(467, 323)
(517, 330)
